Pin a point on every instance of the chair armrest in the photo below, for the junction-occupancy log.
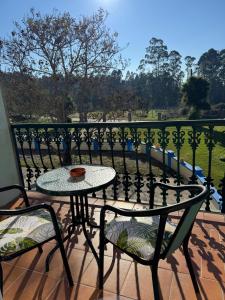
(17, 187)
(21, 211)
(130, 212)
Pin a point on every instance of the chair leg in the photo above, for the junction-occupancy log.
(1, 279)
(40, 249)
(65, 261)
(101, 263)
(190, 267)
(155, 282)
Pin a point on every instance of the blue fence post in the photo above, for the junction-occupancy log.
(95, 144)
(198, 171)
(170, 155)
(65, 146)
(36, 146)
(129, 145)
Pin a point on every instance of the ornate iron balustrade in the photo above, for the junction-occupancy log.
(127, 147)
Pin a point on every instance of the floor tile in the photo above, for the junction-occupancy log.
(81, 292)
(213, 265)
(177, 262)
(63, 291)
(182, 288)
(100, 202)
(10, 274)
(78, 261)
(31, 285)
(210, 289)
(138, 283)
(115, 279)
(214, 217)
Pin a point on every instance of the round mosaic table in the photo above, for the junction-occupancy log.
(58, 182)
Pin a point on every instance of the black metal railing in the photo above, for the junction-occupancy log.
(138, 151)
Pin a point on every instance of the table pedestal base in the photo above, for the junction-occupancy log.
(81, 217)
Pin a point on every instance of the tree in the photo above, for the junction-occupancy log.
(175, 66)
(23, 95)
(190, 65)
(160, 75)
(212, 67)
(108, 91)
(156, 55)
(63, 48)
(195, 94)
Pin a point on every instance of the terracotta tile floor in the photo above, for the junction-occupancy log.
(25, 277)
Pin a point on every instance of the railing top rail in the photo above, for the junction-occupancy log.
(139, 124)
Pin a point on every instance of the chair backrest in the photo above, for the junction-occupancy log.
(191, 209)
(183, 227)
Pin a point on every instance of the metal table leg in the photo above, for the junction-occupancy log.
(87, 215)
(84, 220)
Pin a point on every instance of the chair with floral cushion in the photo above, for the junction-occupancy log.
(149, 235)
(24, 229)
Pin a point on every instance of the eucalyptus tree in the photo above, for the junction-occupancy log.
(190, 65)
(156, 55)
(163, 74)
(175, 64)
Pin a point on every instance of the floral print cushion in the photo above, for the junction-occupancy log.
(24, 231)
(138, 235)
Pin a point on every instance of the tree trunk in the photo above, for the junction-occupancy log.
(85, 119)
(80, 117)
(104, 117)
(129, 116)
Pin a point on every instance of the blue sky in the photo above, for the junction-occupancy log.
(190, 27)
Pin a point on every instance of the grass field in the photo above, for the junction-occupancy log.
(218, 167)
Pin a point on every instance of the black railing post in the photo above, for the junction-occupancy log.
(164, 141)
(67, 159)
(194, 141)
(210, 143)
(178, 141)
(222, 193)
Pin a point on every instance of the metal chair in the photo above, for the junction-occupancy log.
(27, 228)
(148, 235)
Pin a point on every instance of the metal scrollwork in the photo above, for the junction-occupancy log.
(194, 139)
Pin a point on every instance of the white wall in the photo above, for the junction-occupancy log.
(8, 165)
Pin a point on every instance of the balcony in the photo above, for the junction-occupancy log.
(141, 153)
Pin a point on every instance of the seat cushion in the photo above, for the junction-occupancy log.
(138, 235)
(24, 231)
